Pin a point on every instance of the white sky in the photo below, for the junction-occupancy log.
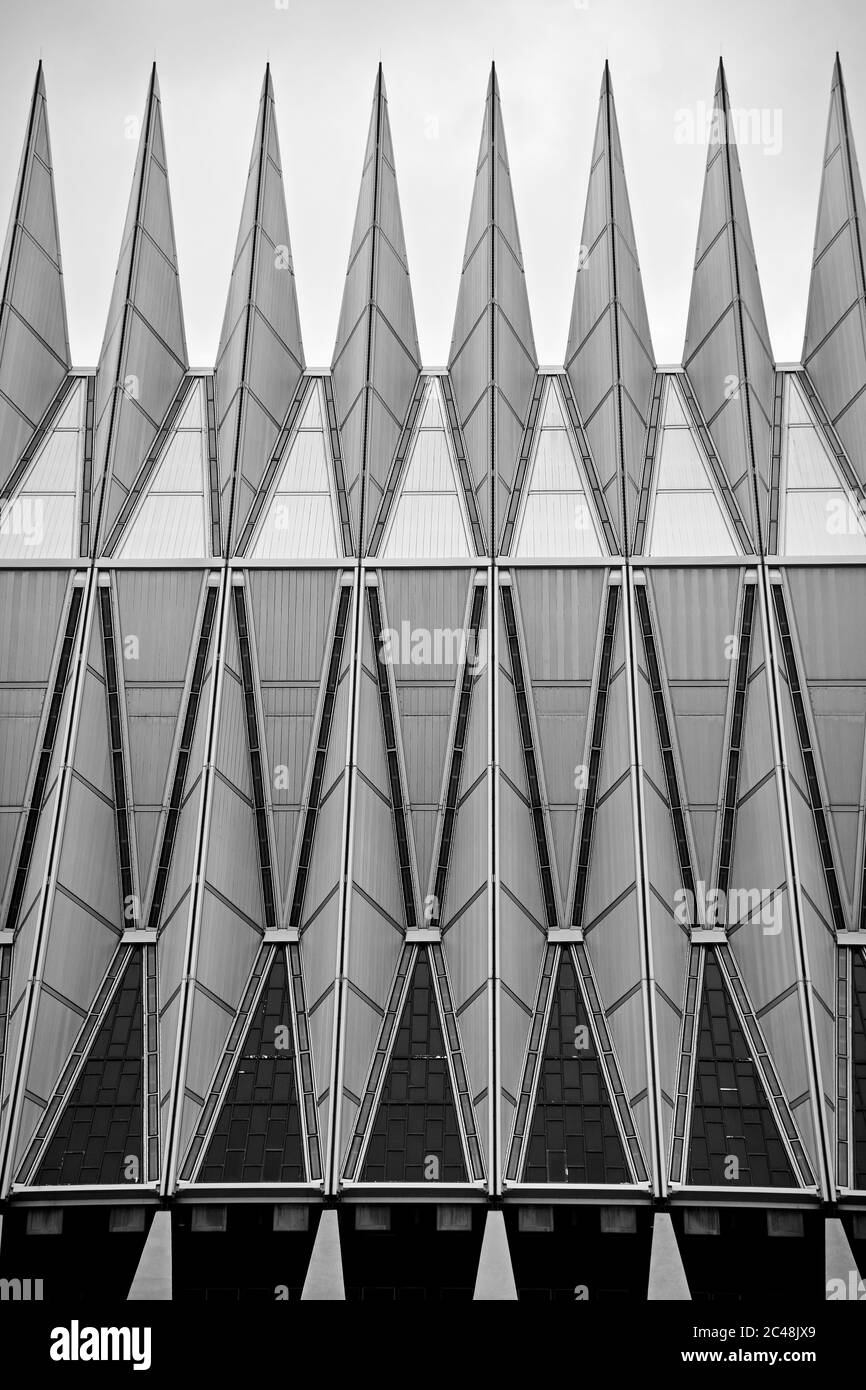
(323, 53)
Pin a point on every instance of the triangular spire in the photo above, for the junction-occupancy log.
(492, 361)
(260, 358)
(258, 1133)
(610, 359)
(143, 357)
(574, 1136)
(100, 1128)
(834, 347)
(731, 1118)
(34, 343)
(727, 351)
(376, 355)
(417, 1121)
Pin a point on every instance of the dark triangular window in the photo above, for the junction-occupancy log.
(574, 1137)
(858, 1020)
(731, 1118)
(416, 1122)
(258, 1133)
(101, 1124)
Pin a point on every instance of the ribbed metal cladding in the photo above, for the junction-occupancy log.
(732, 775)
(455, 780)
(458, 749)
(322, 744)
(48, 739)
(656, 685)
(398, 802)
(595, 751)
(255, 753)
(539, 827)
(118, 769)
(809, 760)
(182, 764)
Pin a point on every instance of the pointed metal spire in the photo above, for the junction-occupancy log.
(493, 363)
(834, 347)
(260, 359)
(376, 357)
(34, 343)
(727, 352)
(609, 359)
(143, 357)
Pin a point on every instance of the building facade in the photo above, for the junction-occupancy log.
(433, 802)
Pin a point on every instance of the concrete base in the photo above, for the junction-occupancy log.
(153, 1277)
(841, 1275)
(667, 1277)
(495, 1276)
(325, 1273)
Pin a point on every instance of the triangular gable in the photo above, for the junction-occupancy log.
(687, 516)
(100, 1127)
(172, 519)
(573, 1136)
(557, 518)
(416, 1122)
(258, 1136)
(429, 518)
(300, 520)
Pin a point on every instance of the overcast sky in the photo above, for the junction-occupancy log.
(323, 53)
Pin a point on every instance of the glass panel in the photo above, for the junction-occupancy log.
(416, 1136)
(574, 1137)
(734, 1137)
(681, 465)
(808, 461)
(689, 523)
(101, 1125)
(258, 1133)
(822, 523)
